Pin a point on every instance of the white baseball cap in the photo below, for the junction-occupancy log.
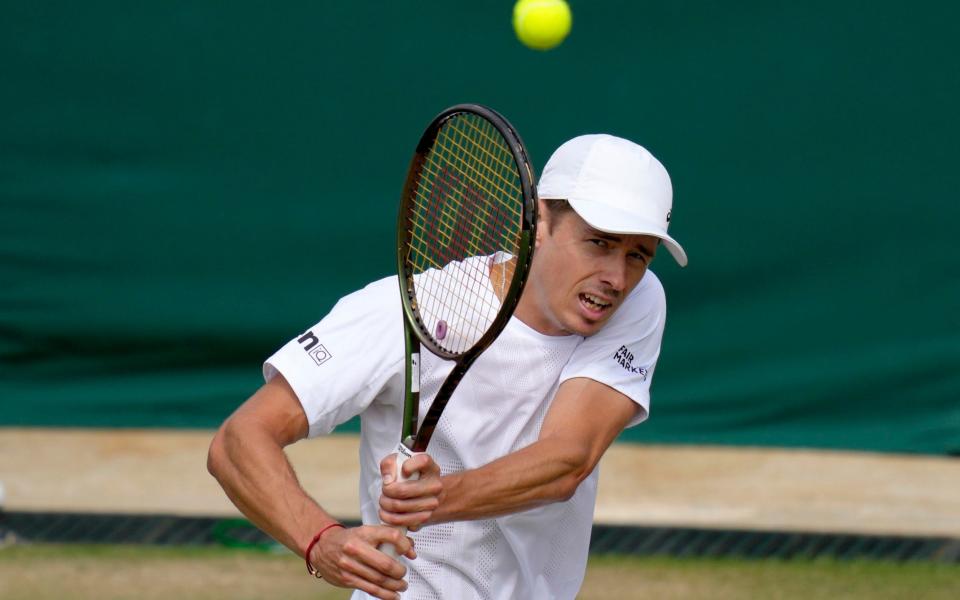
(615, 185)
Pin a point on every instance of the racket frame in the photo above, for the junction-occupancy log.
(415, 332)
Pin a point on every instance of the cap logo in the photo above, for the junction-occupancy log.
(669, 212)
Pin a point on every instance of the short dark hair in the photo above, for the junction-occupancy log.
(557, 207)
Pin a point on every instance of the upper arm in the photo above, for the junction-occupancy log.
(342, 364)
(623, 354)
(273, 410)
(586, 416)
(605, 385)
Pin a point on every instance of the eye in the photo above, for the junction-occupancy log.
(598, 242)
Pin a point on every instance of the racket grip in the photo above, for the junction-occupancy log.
(403, 455)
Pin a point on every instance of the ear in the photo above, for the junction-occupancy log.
(543, 218)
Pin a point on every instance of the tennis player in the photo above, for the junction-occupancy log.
(504, 504)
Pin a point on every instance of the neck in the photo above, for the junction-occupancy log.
(501, 274)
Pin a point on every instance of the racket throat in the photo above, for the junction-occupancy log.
(425, 431)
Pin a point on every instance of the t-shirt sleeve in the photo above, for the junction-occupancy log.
(623, 355)
(341, 364)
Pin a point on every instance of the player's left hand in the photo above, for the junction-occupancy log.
(410, 503)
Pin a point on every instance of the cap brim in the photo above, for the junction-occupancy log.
(611, 220)
(676, 250)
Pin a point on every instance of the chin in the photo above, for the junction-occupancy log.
(587, 328)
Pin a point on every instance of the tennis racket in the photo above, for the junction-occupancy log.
(465, 238)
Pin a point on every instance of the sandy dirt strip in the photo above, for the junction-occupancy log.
(164, 471)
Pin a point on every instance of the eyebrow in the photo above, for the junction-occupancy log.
(617, 238)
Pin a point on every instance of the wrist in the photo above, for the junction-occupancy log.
(313, 542)
(443, 514)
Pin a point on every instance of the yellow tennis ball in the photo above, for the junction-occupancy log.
(542, 24)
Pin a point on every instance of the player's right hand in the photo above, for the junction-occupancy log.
(349, 558)
(410, 503)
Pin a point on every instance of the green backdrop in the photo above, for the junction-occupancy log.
(184, 185)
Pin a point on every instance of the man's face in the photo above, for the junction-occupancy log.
(580, 275)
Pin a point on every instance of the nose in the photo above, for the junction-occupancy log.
(614, 273)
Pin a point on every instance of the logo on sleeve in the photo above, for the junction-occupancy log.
(313, 347)
(624, 358)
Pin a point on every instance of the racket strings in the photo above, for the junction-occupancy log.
(467, 208)
(503, 164)
(468, 172)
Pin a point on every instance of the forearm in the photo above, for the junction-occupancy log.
(544, 472)
(583, 421)
(257, 477)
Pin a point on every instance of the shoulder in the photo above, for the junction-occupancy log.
(649, 291)
(646, 302)
(377, 300)
(639, 321)
(649, 284)
(624, 353)
(381, 290)
(348, 360)
(366, 321)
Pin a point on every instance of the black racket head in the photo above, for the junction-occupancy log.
(466, 226)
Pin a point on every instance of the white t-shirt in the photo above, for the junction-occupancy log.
(352, 362)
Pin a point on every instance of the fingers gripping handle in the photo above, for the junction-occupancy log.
(403, 455)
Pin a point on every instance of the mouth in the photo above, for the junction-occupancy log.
(595, 305)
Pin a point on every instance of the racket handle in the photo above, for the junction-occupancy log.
(403, 455)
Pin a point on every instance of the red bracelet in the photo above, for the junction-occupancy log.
(313, 542)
